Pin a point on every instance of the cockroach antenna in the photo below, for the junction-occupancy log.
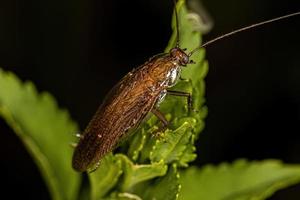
(241, 30)
(176, 22)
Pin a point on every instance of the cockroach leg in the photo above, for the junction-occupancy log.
(183, 94)
(162, 118)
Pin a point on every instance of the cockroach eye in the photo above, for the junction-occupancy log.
(185, 60)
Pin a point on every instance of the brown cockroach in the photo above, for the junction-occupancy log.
(133, 97)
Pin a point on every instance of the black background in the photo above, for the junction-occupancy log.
(78, 50)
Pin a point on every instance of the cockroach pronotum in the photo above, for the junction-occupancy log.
(134, 96)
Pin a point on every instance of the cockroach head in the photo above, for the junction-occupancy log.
(180, 56)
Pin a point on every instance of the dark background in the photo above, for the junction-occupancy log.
(78, 50)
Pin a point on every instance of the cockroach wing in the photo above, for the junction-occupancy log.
(125, 106)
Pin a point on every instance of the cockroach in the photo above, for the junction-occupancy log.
(134, 96)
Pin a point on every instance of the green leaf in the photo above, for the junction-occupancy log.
(190, 38)
(45, 130)
(171, 148)
(134, 174)
(136, 145)
(241, 180)
(165, 188)
(105, 177)
(188, 155)
(123, 196)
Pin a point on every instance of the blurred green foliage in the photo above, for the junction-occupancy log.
(240, 180)
(45, 130)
